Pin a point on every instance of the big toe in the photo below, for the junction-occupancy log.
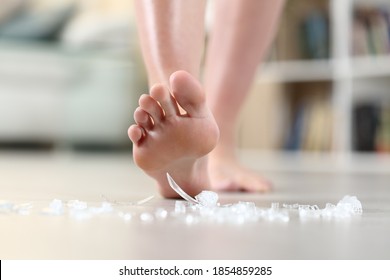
(189, 93)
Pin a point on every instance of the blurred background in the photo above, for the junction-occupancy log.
(71, 73)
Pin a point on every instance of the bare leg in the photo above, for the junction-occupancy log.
(240, 36)
(166, 140)
(171, 33)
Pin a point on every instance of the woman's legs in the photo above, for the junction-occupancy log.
(240, 36)
(165, 140)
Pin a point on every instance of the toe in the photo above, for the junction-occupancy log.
(263, 186)
(135, 133)
(254, 184)
(143, 119)
(188, 93)
(167, 102)
(151, 106)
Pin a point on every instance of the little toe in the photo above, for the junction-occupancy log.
(188, 93)
(160, 93)
(255, 184)
(263, 186)
(151, 106)
(135, 133)
(143, 119)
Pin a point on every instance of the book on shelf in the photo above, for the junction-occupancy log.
(382, 139)
(365, 125)
(310, 127)
(371, 31)
(315, 35)
(303, 32)
(318, 134)
(295, 136)
(371, 127)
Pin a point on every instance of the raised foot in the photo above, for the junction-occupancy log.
(174, 132)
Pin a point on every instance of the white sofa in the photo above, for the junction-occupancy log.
(55, 95)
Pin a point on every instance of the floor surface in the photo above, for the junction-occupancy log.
(38, 178)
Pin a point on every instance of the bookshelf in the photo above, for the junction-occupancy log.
(353, 84)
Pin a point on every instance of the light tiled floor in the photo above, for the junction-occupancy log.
(39, 178)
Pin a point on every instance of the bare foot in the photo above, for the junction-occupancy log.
(228, 174)
(166, 140)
